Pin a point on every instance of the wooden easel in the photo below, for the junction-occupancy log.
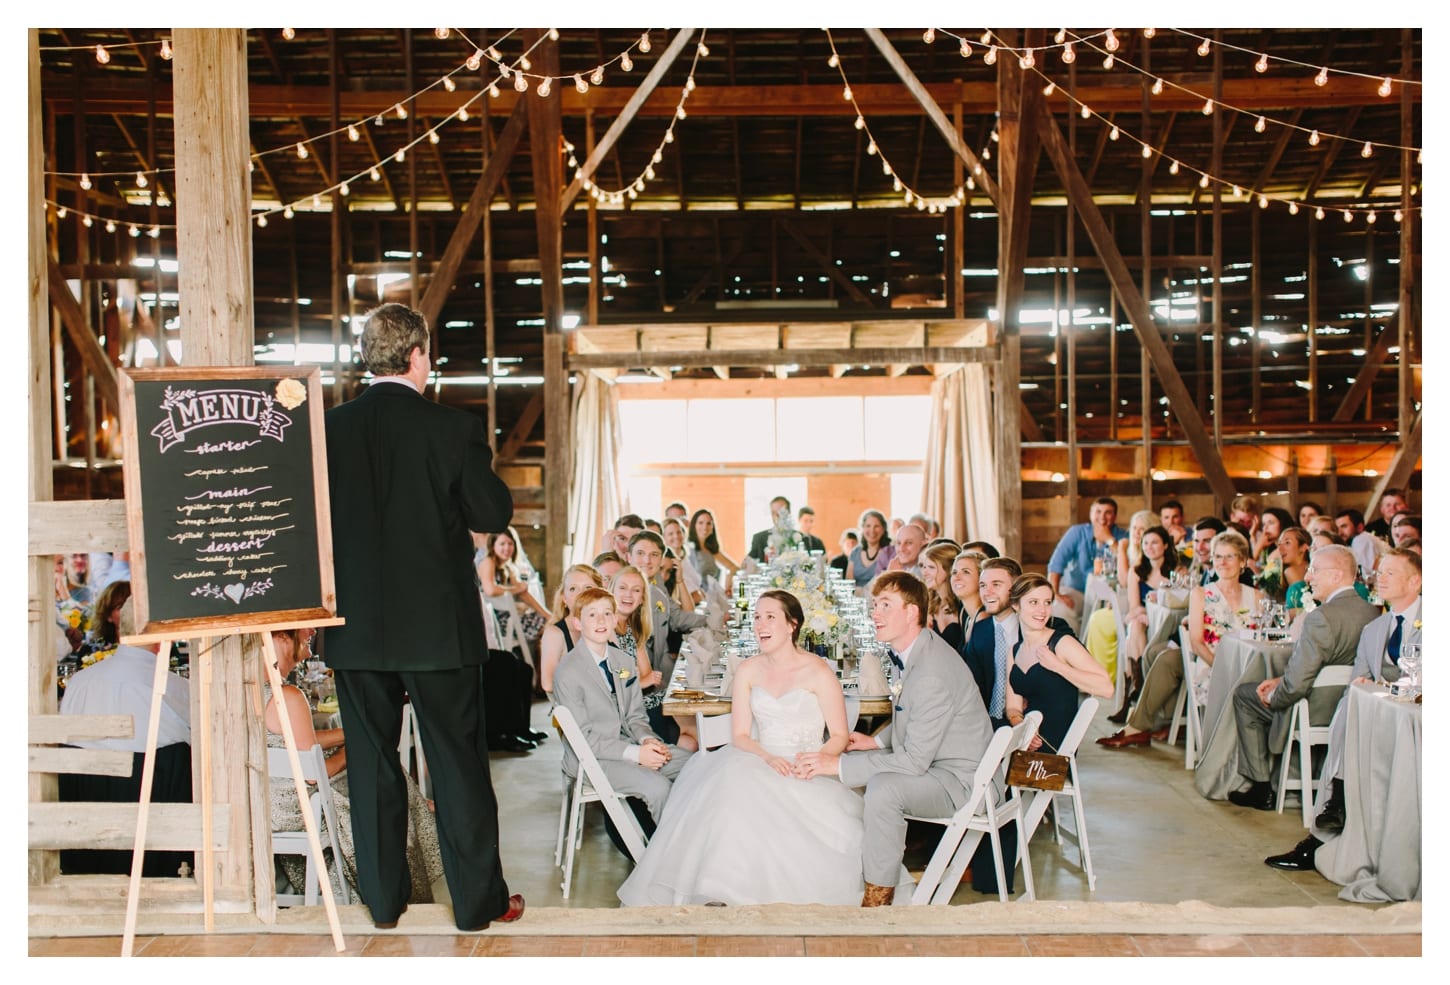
(202, 672)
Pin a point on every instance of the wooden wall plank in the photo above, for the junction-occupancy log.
(101, 762)
(78, 525)
(171, 827)
(53, 729)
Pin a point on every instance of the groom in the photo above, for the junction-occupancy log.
(923, 763)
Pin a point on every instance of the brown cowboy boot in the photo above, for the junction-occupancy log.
(878, 895)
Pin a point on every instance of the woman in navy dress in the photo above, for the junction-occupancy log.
(1048, 666)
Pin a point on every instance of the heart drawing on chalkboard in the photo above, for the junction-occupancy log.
(234, 592)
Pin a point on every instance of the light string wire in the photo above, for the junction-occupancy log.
(911, 195)
(632, 189)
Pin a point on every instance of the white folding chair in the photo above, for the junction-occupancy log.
(314, 770)
(981, 814)
(591, 786)
(1037, 801)
(1187, 711)
(1307, 736)
(410, 744)
(510, 633)
(712, 731)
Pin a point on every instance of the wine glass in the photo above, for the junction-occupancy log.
(1410, 666)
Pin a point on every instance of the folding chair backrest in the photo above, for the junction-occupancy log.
(713, 730)
(992, 758)
(591, 771)
(1336, 675)
(314, 765)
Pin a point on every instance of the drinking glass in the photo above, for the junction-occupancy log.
(1410, 666)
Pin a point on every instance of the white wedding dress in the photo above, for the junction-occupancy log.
(735, 831)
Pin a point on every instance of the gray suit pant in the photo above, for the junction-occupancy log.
(1254, 722)
(1160, 687)
(651, 786)
(889, 798)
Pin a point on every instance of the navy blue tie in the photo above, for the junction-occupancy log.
(608, 677)
(1393, 646)
(895, 659)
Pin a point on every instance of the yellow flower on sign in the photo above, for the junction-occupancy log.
(291, 393)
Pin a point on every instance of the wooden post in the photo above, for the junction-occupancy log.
(338, 277)
(1409, 276)
(1217, 247)
(1313, 291)
(1255, 315)
(489, 326)
(214, 256)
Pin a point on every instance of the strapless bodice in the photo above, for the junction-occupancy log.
(787, 724)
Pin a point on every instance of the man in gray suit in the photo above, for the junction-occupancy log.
(599, 684)
(1376, 659)
(923, 763)
(646, 551)
(1330, 636)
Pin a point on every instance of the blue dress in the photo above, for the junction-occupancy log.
(1048, 692)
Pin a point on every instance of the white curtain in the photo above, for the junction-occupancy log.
(594, 493)
(959, 481)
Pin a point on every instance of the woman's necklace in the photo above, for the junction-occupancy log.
(869, 555)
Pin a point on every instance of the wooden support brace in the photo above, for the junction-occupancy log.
(85, 341)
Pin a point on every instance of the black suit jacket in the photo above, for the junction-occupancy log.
(760, 541)
(814, 543)
(980, 653)
(408, 479)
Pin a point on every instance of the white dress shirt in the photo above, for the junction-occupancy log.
(121, 685)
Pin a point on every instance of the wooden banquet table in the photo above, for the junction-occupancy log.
(1235, 661)
(1377, 856)
(715, 704)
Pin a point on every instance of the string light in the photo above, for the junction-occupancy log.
(401, 155)
(1060, 36)
(1263, 201)
(154, 232)
(1348, 216)
(929, 35)
(289, 33)
(644, 42)
(1113, 134)
(1322, 78)
(1068, 55)
(352, 133)
(966, 49)
(1086, 113)
(110, 225)
(1149, 32)
(1049, 89)
(1203, 49)
(598, 77)
(991, 56)
(449, 84)
(625, 62)
(441, 33)
(102, 55)
(1110, 41)
(1203, 182)
(302, 151)
(141, 179)
(1399, 216)
(343, 189)
(1319, 213)
(580, 85)
(1260, 125)
(553, 34)
(1027, 60)
(1157, 89)
(492, 91)
(401, 110)
(1314, 138)
(261, 220)
(1367, 150)
(521, 84)
(834, 61)
(1147, 152)
(1173, 168)
(165, 50)
(86, 222)
(1262, 65)
(544, 86)
(1293, 208)
(1384, 89)
(704, 50)
(1208, 107)
(1108, 61)
(85, 182)
(474, 60)
(1369, 217)
(432, 136)
(134, 231)
(287, 212)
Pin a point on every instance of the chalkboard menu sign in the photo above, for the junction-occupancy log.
(226, 498)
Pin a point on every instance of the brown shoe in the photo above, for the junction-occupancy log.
(1122, 738)
(878, 895)
(1159, 734)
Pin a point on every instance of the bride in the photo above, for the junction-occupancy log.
(742, 824)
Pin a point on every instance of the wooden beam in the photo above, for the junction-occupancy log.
(101, 762)
(170, 827)
(96, 361)
(54, 729)
(1374, 361)
(77, 525)
(827, 266)
(1137, 308)
(1402, 466)
(1331, 154)
(522, 428)
(626, 116)
(910, 356)
(933, 110)
(462, 237)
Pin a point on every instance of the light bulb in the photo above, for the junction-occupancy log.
(352, 133)
(401, 155)
(1203, 181)
(632, 193)
(704, 50)
(134, 230)
(317, 201)
(85, 181)
(544, 86)
(1111, 41)
(846, 94)
(521, 84)
(580, 85)
(1293, 208)
(1319, 213)
(1369, 218)
(289, 33)
(1322, 78)
(302, 151)
(165, 50)
(987, 153)
(493, 53)
(441, 33)
(61, 212)
(1173, 168)
(492, 91)
(1399, 216)
(110, 225)
(644, 42)
(991, 56)
(657, 157)
(870, 148)
(971, 183)
(1384, 89)
(343, 189)
(1068, 55)
(163, 200)
(287, 212)
(834, 61)
(860, 123)
(1157, 89)
(1049, 89)
(896, 184)
(649, 172)
(553, 34)
(966, 49)
(154, 232)
(86, 221)
(1085, 111)
(1208, 107)
(1108, 61)
(1263, 201)
(1314, 138)
(102, 55)
(625, 62)
(401, 110)
(1348, 216)
(1260, 125)
(1060, 36)
(598, 77)
(1147, 152)
(1027, 60)
(639, 185)
(1204, 48)
(140, 179)
(1113, 134)
(448, 83)
(463, 114)
(680, 111)
(1150, 32)
(432, 136)
(690, 84)
(261, 221)
(1262, 65)
(474, 60)
(670, 136)
(1367, 150)
(929, 35)
(885, 166)
(378, 120)
(1238, 192)
(524, 63)
(986, 37)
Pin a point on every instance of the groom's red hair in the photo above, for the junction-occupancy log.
(909, 588)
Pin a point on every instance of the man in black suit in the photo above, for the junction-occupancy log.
(408, 480)
(806, 522)
(759, 542)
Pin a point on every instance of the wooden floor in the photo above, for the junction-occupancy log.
(498, 945)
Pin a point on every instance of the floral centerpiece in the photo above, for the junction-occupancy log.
(824, 627)
(784, 537)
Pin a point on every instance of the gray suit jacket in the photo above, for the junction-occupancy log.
(1330, 636)
(940, 726)
(610, 722)
(1372, 658)
(666, 614)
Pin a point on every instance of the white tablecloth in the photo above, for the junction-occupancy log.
(1235, 661)
(1377, 857)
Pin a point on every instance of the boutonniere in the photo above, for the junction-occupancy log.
(660, 606)
(1416, 624)
(624, 674)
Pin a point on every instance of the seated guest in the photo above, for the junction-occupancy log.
(1404, 526)
(74, 597)
(600, 685)
(849, 539)
(1213, 610)
(982, 547)
(875, 551)
(927, 524)
(943, 609)
(1048, 666)
(625, 528)
(1100, 632)
(910, 539)
(607, 564)
(633, 625)
(654, 525)
(806, 522)
(1200, 559)
(680, 573)
(714, 565)
(761, 540)
(1246, 510)
(121, 684)
(1153, 571)
(646, 551)
(103, 636)
(677, 511)
(1072, 558)
(1330, 636)
(1170, 515)
(1392, 501)
(1377, 658)
(1294, 546)
(425, 858)
(1308, 510)
(561, 635)
(502, 585)
(966, 588)
(1273, 522)
(1412, 544)
(1366, 547)
(1324, 525)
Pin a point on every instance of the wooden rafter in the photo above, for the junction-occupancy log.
(827, 266)
(1402, 466)
(522, 428)
(1276, 154)
(286, 79)
(442, 169)
(392, 193)
(1374, 361)
(82, 337)
(1331, 154)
